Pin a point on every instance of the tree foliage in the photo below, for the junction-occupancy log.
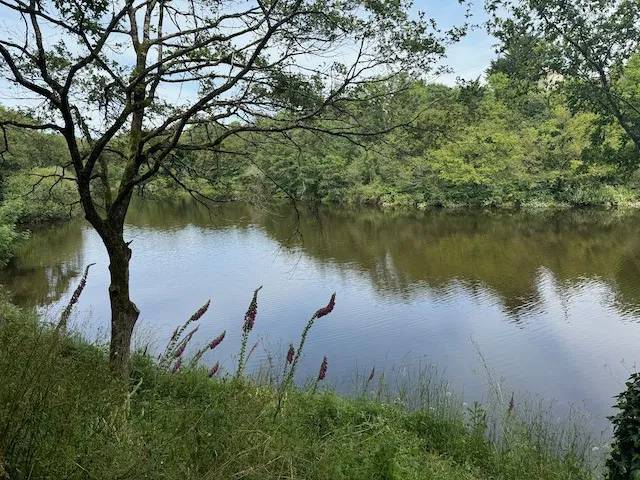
(588, 44)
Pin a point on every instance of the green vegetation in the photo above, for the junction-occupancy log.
(31, 187)
(555, 123)
(624, 462)
(64, 414)
(476, 144)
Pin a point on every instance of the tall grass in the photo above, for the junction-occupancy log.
(63, 415)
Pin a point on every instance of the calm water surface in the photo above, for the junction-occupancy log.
(551, 300)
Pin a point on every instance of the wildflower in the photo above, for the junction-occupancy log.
(184, 343)
(174, 337)
(372, 374)
(177, 366)
(250, 316)
(291, 353)
(75, 297)
(255, 345)
(218, 340)
(323, 369)
(180, 350)
(214, 369)
(196, 316)
(328, 309)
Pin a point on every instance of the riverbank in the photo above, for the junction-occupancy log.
(606, 197)
(62, 414)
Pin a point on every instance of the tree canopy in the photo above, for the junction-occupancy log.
(588, 44)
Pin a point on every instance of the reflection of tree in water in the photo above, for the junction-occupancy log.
(501, 254)
(164, 215)
(507, 256)
(45, 264)
(627, 280)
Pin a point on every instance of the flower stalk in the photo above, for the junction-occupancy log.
(321, 374)
(288, 379)
(249, 321)
(66, 313)
(175, 345)
(213, 344)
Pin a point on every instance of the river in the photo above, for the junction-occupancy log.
(550, 300)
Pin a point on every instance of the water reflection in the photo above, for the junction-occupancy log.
(501, 254)
(45, 264)
(550, 298)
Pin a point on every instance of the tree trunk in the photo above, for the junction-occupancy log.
(124, 312)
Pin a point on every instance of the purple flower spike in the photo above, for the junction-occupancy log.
(214, 369)
(196, 316)
(323, 369)
(180, 350)
(250, 316)
(372, 374)
(76, 296)
(290, 354)
(177, 366)
(218, 340)
(328, 309)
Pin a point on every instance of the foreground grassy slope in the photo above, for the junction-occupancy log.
(62, 415)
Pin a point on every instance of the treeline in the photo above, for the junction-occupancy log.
(509, 141)
(480, 144)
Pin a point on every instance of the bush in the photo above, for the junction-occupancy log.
(9, 235)
(624, 462)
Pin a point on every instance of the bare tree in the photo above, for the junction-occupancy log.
(131, 79)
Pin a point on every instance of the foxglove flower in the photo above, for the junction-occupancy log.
(75, 297)
(177, 365)
(323, 369)
(290, 354)
(328, 309)
(184, 343)
(218, 340)
(196, 316)
(214, 369)
(250, 316)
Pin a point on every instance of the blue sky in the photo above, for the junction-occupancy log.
(472, 55)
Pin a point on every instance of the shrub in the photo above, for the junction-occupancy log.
(9, 235)
(624, 462)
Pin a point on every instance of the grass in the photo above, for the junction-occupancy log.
(64, 416)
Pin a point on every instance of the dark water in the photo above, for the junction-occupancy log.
(551, 300)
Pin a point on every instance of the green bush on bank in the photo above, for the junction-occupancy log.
(9, 235)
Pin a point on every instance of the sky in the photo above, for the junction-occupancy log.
(470, 57)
